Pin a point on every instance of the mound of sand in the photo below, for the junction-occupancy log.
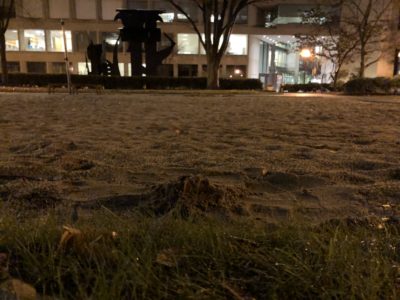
(193, 195)
(185, 197)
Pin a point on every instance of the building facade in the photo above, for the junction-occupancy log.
(263, 40)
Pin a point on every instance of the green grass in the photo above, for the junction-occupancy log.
(170, 258)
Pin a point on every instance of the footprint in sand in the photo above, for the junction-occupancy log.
(276, 182)
(270, 211)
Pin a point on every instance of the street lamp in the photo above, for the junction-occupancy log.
(67, 67)
(306, 55)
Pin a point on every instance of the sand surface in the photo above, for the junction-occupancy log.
(280, 157)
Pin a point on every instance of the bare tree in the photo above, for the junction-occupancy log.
(336, 44)
(218, 19)
(367, 21)
(7, 11)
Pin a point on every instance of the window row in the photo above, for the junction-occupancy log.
(53, 41)
(35, 40)
(167, 70)
(61, 9)
(88, 9)
(188, 43)
(38, 40)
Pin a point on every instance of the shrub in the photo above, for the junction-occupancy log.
(369, 86)
(240, 84)
(43, 80)
(396, 82)
(308, 87)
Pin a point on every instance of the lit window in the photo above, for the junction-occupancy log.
(188, 43)
(212, 18)
(202, 50)
(34, 40)
(237, 45)
(57, 41)
(280, 58)
(12, 42)
(121, 69)
(110, 39)
(83, 68)
(318, 49)
(181, 16)
(167, 17)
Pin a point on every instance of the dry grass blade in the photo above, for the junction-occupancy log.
(68, 235)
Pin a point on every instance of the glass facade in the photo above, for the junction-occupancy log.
(280, 58)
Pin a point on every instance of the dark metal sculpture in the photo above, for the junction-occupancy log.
(100, 65)
(140, 27)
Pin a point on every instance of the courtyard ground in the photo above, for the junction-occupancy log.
(279, 156)
(199, 195)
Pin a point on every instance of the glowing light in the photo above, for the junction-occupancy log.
(238, 71)
(305, 53)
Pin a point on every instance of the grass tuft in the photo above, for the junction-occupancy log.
(107, 257)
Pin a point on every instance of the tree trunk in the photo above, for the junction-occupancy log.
(361, 72)
(335, 80)
(212, 73)
(336, 75)
(3, 59)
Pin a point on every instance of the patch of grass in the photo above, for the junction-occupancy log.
(136, 257)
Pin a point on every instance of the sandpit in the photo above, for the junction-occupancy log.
(243, 155)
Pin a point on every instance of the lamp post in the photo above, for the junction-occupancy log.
(66, 58)
(306, 55)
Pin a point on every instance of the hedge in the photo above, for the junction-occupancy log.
(308, 87)
(372, 86)
(132, 83)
